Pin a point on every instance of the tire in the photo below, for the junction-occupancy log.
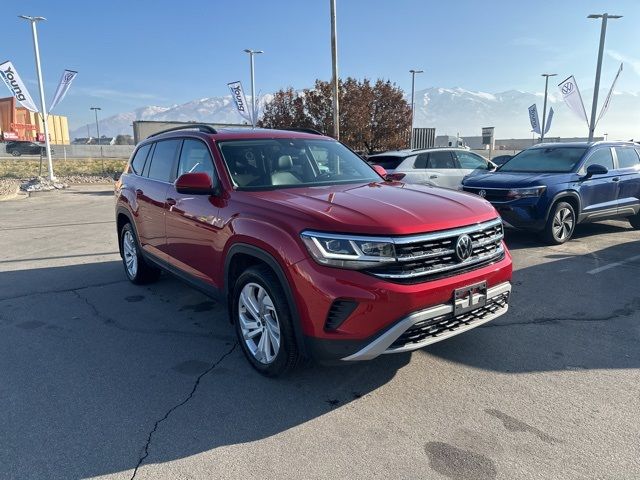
(15, 153)
(263, 322)
(560, 225)
(138, 271)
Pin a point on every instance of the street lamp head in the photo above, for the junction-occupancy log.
(95, 108)
(31, 19)
(249, 51)
(548, 74)
(416, 71)
(602, 15)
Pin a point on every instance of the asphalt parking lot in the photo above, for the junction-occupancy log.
(100, 378)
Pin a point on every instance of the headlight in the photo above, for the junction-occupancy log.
(348, 251)
(516, 193)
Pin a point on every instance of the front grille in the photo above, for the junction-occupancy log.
(491, 194)
(435, 327)
(433, 255)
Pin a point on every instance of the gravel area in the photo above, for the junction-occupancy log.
(9, 187)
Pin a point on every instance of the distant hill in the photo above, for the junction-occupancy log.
(449, 110)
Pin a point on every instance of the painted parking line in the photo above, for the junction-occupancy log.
(613, 265)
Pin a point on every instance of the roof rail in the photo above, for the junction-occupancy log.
(201, 127)
(303, 130)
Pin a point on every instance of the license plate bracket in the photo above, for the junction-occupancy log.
(469, 298)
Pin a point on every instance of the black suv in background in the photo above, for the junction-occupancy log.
(25, 148)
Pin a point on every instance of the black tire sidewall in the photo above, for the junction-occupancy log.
(287, 354)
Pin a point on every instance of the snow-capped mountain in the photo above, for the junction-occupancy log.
(449, 110)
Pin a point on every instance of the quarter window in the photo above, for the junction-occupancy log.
(195, 158)
(627, 157)
(421, 161)
(137, 163)
(602, 157)
(162, 161)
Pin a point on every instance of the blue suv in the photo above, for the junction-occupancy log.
(549, 188)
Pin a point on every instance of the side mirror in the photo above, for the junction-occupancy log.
(596, 169)
(380, 171)
(199, 183)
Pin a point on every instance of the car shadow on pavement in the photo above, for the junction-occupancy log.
(99, 376)
(564, 315)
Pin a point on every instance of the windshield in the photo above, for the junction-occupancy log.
(545, 160)
(278, 163)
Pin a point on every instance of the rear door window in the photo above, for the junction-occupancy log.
(421, 161)
(163, 160)
(441, 160)
(137, 163)
(627, 157)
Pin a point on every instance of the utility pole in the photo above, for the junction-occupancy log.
(43, 107)
(603, 33)
(334, 68)
(544, 107)
(95, 109)
(253, 84)
(413, 93)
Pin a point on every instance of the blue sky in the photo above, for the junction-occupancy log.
(136, 53)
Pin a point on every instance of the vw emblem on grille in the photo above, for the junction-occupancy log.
(464, 247)
(482, 193)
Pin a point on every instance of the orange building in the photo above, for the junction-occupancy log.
(17, 123)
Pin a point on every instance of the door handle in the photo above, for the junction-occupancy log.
(433, 176)
(616, 179)
(139, 192)
(171, 202)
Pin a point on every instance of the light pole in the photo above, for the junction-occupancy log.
(334, 72)
(603, 33)
(544, 106)
(43, 107)
(95, 109)
(253, 85)
(413, 93)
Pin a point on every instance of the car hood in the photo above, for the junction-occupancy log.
(513, 180)
(392, 208)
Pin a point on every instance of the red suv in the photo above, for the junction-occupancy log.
(315, 253)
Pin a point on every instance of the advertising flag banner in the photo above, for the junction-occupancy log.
(607, 102)
(533, 118)
(549, 118)
(17, 86)
(63, 87)
(573, 99)
(240, 100)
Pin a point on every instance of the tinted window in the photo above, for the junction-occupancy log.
(627, 157)
(441, 160)
(421, 161)
(546, 159)
(388, 162)
(162, 160)
(273, 163)
(602, 156)
(471, 161)
(195, 158)
(137, 163)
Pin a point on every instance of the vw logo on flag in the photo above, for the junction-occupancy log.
(567, 88)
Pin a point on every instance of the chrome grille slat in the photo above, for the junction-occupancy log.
(433, 254)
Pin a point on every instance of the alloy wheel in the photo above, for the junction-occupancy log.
(563, 223)
(259, 323)
(130, 251)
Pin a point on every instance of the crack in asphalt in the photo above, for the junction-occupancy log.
(110, 322)
(626, 311)
(145, 450)
(64, 290)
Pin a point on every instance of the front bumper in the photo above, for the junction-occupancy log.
(434, 324)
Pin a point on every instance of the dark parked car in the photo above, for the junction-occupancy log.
(549, 188)
(25, 148)
(314, 253)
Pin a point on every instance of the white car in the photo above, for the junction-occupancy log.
(440, 167)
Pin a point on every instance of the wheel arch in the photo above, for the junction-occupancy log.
(571, 197)
(241, 256)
